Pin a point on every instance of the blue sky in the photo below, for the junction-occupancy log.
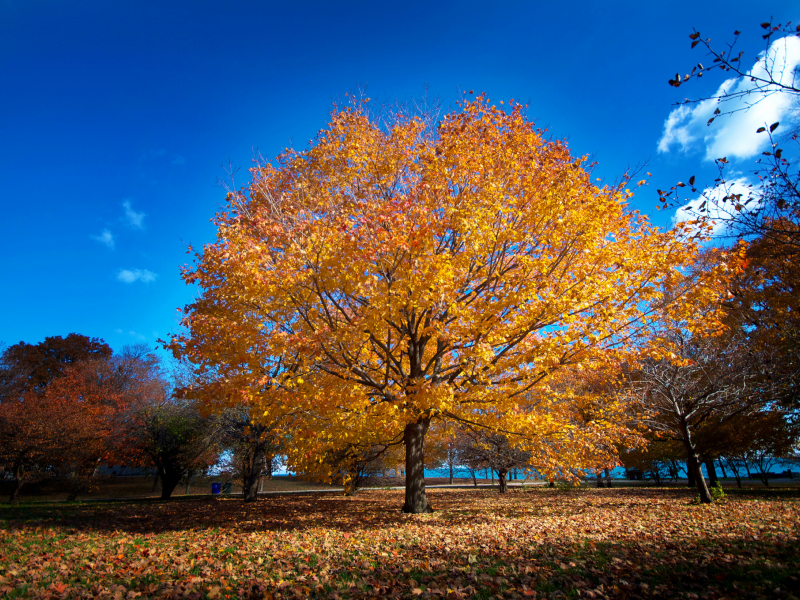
(116, 118)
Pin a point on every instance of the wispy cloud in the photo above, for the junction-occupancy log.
(106, 237)
(134, 275)
(161, 156)
(133, 334)
(735, 135)
(713, 204)
(135, 219)
(151, 154)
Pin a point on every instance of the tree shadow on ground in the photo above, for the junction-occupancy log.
(631, 543)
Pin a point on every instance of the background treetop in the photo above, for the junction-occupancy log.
(35, 365)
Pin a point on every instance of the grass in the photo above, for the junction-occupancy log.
(541, 543)
(54, 489)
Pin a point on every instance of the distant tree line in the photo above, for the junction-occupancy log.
(69, 406)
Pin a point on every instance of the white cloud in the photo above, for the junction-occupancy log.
(135, 219)
(178, 160)
(735, 135)
(675, 132)
(105, 238)
(715, 206)
(134, 275)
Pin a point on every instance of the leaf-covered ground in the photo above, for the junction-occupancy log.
(538, 543)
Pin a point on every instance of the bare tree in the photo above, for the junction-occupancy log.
(771, 79)
(708, 378)
(769, 208)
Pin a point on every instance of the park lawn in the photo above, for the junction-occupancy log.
(533, 543)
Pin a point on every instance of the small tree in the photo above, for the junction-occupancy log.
(252, 444)
(658, 460)
(158, 425)
(441, 449)
(352, 466)
(176, 439)
(764, 299)
(451, 459)
(773, 441)
(493, 451)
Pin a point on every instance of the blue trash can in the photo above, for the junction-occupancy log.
(216, 488)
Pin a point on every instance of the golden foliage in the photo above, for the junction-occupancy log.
(400, 271)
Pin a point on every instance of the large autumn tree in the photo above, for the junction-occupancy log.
(403, 270)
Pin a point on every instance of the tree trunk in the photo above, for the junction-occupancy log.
(722, 467)
(689, 474)
(155, 481)
(492, 472)
(694, 465)
(245, 471)
(414, 438)
(451, 473)
(608, 479)
(78, 488)
(656, 472)
(474, 477)
(251, 491)
(712, 472)
(599, 480)
(188, 483)
(501, 478)
(17, 472)
(349, 484)
(674, 470)
(735, 470)
(14, 499)
(764, 477)
(169, 481)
